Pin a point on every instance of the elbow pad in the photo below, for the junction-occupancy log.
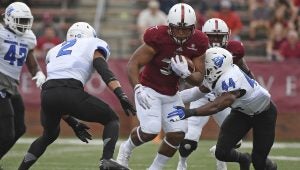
(102, 68)
(192, 94)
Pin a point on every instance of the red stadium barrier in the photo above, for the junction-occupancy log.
(282, 79)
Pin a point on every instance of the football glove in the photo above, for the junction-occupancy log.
(80, 130)
(142, 96)
(39, 78)
(180, 113)
(125, 103)
(181, 68)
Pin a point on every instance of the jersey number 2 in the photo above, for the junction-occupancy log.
(11, 55)
(64, 49)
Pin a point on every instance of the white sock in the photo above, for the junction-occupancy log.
(159, 162)
(182, 159)
(129, 144)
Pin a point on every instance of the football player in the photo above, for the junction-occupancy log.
(162, 57)
(218, 34)
(251, 105)
(17, 42)
(69, 66)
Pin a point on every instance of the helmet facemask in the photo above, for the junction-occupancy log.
(217, 32)
(217, 39)
(181, 34)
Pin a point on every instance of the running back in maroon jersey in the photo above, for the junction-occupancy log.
(158, 74)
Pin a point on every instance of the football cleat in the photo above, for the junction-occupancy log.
(123, 155)
(220, 164)
(110, 164)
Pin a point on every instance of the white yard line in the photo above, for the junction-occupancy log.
(285, 158)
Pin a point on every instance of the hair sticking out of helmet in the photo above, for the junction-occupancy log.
(217, 61)
(81, 30)
(18, 17)
(181, 21)
(217, 32)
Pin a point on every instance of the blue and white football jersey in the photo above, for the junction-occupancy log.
(14, 50)
(74, 58)
(255, 100)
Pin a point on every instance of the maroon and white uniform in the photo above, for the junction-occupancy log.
(158, 74)
(196, 123)
(160, 83)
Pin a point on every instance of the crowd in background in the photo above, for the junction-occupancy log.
(276, 22)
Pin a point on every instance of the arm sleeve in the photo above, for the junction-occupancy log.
(102, 68)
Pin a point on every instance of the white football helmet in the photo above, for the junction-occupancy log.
(81, 30)
(18, 17)
(181, 21)
(217, 32)
(217, 61)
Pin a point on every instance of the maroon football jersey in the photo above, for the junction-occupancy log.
(158, 74)
(237, 50)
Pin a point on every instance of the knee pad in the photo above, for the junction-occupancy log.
(187, 147)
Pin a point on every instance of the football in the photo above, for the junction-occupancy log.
(190, 63)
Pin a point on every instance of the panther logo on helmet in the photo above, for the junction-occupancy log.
(217, 61)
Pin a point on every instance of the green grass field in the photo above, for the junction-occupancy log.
(72, 155)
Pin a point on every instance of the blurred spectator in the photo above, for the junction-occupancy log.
(286, 11)
(47, 21)
(290, 49)
(48, 40)
(200, 19)
(277, 35)
(165, 5)
(260, 17)
(231, 18)
(150, 16)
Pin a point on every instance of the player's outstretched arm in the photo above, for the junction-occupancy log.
(220, 103)
(109, 78)
(80, 129)
(193, 94)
